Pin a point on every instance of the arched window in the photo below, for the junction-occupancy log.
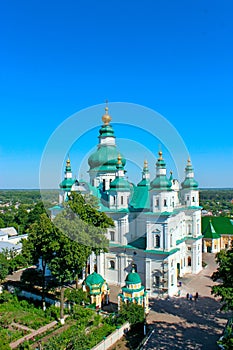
(112, 236)
(134, 266)
(189, 261)
(112, 264)
(122, 200)
(170, 240)
(157, 241)
(104, 185)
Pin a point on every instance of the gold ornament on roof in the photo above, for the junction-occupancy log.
(119, 159)
(189, 161)
(68, 162)
(106, 118)
(160, 155)
(145, 163)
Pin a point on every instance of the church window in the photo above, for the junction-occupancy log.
(112, 264)
(198, 228)
(165, 202)
(193, 199)
(172, 280)
(157, 281)
(171, 240)
(198, 260)
(189, 229)
(134, 266)
(157, 202)
(104, 184)
(122, 200)
(187, 198)
(114, 200)
(189, 261)
(112, 236)
(157, 241)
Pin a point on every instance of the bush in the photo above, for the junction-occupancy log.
(53, 312)
(132, 313)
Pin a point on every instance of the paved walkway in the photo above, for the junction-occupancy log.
(182, 324)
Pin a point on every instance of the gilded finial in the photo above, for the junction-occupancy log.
(119, 159)
(106, 118)
(68, 161)
(189, 161)
(145, 163)
(160, 155)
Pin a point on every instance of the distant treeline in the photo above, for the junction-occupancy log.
(27, 196)
(216, 194)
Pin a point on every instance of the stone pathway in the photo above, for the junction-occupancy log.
(179, 324)
(182, 324)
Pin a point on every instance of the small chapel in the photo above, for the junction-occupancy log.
(157, 221)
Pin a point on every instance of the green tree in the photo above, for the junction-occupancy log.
(133, 313)
(68, 261)
(86, 208)
(42, 243)
(224, 274)
(4, 267)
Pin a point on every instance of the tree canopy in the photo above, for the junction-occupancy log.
(224, 275)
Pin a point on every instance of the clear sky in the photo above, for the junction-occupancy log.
(58, 57)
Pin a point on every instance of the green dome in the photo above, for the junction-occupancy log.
(120, 184)
(133, 278)
(190, 183)
(161, 183)
(94, 278)
(105, 158)
(66, 184)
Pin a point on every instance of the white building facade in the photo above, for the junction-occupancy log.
(157, 222)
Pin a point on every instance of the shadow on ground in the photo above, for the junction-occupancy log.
(184, 324)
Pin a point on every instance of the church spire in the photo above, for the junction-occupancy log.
(106, 118)
(189, 182)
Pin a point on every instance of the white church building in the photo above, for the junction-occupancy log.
(157, 222)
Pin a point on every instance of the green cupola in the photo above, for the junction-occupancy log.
(133, 278)
(68, 181)
(104, 159)
(189, 182)
(161, 182)
(120, 183)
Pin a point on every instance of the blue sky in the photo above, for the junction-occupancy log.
(175, 57)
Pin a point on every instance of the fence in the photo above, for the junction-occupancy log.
(113, 337)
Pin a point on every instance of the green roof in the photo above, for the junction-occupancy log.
(161, 182)
(190, 183)
(141, 197)
(151, 251)
(120, 184)
(66, 184)
(221, 225)
(105, 158)
(210, 232)
(133, 278)
(139, 243)
(94, 278)
(131, 291)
